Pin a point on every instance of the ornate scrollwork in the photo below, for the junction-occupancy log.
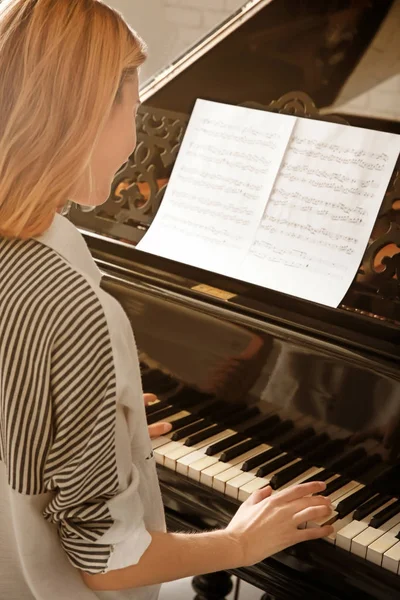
(139, 186)
(138, 189)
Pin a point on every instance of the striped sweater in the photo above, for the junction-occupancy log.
(70, 407)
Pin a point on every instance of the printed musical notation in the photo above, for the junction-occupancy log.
(283, 202)
(225, 171)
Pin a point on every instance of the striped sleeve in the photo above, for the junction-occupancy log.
(62, 430)
(81, 466)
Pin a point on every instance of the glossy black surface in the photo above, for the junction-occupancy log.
(215, 354)
(287, 45)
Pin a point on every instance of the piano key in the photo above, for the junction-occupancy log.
(241, 417)
(233, 486)
(185, 456)
(195, 438)
(261, 458)
(344, 492)
(184, 421)
(363, 466)
(213, 470)
(360, 543)
(302, 478)
(312, 443)
(377, 502)
(349, 505)
(252, 486)
(157, 406)
(225, 443)
(184, 432)
(334, 484)
(173, 453)
(278, 431)
(385, 515)
(346, 535)
(161, 414)
(323, 475)
(289, 474)
(377, 549)
(177, 417)
(280, 462)
(296, 438)
(347, 459)
(160, 441)
(391, 559)
(263, 425)
(238, 450)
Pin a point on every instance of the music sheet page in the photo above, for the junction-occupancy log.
(222, 179)
(321, 212)
(283, 202)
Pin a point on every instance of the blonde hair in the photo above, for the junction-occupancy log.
(63, 64)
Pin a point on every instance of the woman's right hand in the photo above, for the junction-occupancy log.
(266, 524)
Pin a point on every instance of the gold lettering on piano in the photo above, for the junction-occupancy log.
(212, 291)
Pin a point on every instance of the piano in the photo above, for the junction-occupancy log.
(262, 387)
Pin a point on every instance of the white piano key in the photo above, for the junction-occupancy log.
(160, 441)
(213, 470)
(377, 549)
(233, 486)
(346, 535)
(391, 559)
(197, 468)
(252, 486)
(360, 544)
(185, 459)
(176, 416)
(344, 492)
(171, 460)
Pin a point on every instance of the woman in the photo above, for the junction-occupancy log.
(80, 506)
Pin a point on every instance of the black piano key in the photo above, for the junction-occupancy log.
(183, 421)
(262, 426)
(208, 408)
(296, 438)
(162, 414)
(347, 459)
(321, 476)
(225, 412)
(326, 451)
(260, 459)
(385, 514)
(283, 477)
(335, 485)
(274, 464)
(241, 417)
(362, 467)
(276, 432)
(349, 504)
(370, 506)
(189, 397)
(311, 444)
(227, 442)
(153, 408)
(158, 382)
(203, 435)
(190, 429)
(237, 450)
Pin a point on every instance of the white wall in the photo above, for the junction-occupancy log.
(170, 27)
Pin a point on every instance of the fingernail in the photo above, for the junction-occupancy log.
(167, 427)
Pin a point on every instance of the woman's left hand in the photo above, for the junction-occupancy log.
(157, 429)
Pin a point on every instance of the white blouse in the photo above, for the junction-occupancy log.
(78, 481)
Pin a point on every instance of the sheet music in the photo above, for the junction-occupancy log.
(283, 202)
(322, 209)
(222, 178)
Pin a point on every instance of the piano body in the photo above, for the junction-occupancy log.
(260, 386)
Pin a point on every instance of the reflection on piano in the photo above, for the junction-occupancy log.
(261, 387)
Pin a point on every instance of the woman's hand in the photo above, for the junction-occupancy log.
(264, 525)
(157, 429)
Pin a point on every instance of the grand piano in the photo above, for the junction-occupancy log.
(261, 386)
